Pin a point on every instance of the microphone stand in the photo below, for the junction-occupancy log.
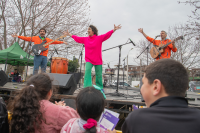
(147, 48)
(79, 59)
(117, 93)
(125, 95)
(81, 53)
(123, 76)
(123, 70)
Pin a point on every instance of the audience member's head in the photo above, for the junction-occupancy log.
(26, 106)
(90, 105)
(165, 77)
(15, 71)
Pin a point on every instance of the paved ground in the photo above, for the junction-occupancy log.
(123, 94)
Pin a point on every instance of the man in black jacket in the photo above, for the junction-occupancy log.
(164, 85)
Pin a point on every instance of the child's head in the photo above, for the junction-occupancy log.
(90, 103)
(42, 84)
(165, 77)
(26, 106)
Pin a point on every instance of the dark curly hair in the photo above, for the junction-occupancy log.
(90, 104)
(27, 115)
(94, 29)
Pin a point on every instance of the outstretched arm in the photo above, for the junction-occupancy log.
(22, 37)
(141, 31)
(67, 33)
(76, 38)
(155, 42)
(108, 34)
(57, 42)
(14, 35)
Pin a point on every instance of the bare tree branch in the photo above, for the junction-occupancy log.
(26, 17)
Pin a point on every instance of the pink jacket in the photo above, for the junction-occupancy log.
(72, 127)
(56, 116)
(93, 47)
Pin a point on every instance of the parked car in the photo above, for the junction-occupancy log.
(121, 84)
(194, 86)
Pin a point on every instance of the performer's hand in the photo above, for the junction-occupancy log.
(65, 42)
(14, 35)
(117, 27)
(140, 30)
(60, 103)
(173, 43)
(67, 33)
(114, 131)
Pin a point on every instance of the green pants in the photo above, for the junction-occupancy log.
(88, 77)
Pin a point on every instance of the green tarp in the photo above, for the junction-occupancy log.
(16, 56)
(195, 78)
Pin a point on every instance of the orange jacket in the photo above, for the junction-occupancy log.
(37, 40)
(167, 53)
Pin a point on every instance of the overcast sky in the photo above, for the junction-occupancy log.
(151, 15)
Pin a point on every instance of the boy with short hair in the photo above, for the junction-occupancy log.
(164, 85)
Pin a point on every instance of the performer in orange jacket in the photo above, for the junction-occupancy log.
(164, 40)
(40, 60)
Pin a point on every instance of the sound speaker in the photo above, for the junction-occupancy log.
(77, 77)
(66, 82)
(3, 78)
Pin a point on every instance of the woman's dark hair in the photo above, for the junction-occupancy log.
(94, 29)
(90, 104)
(26, 106)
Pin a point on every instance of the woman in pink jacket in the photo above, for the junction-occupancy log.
(34, 113)
(93, 53)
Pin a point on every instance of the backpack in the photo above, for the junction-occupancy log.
(4, 126)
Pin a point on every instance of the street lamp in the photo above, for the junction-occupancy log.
(127, 66)
(67, 51)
